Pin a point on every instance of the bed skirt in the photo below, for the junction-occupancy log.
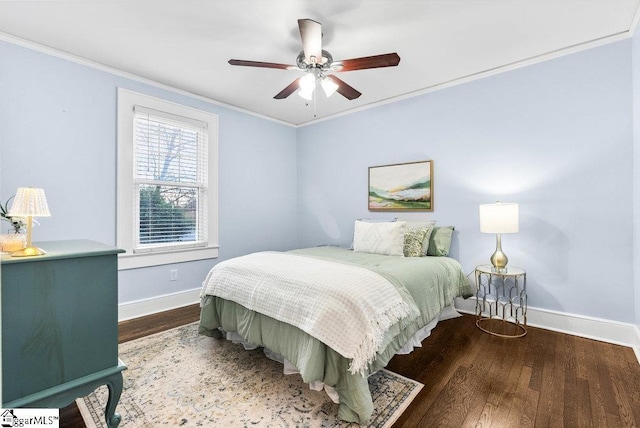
(448, 312)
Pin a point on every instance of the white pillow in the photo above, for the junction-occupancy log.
(379, 238)
(371, 220)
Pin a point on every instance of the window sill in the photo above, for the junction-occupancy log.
(134, 261)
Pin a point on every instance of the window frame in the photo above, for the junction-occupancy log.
(126, 100)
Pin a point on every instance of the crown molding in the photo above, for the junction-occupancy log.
(120, 73)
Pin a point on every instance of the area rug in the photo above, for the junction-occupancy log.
(178, 378)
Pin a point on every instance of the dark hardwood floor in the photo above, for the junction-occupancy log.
(471, 378)
(545, 379)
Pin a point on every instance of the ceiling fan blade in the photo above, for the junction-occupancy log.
(375, 61)
(262, 64)
(293, 86)
(344, 89)
(311, 35)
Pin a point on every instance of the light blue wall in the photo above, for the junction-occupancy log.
(636, 169)
(556, 137)
(58, 132)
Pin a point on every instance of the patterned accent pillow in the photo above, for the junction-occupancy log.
(413, 240)
(428, 224)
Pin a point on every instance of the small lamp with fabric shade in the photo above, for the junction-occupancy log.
(29, 202)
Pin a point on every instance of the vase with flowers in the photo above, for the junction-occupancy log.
(14, 240)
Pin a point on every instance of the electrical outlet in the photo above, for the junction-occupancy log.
(173, 274)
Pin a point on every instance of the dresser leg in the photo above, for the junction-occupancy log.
(114, 383)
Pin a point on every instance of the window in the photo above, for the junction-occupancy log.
(167, 182)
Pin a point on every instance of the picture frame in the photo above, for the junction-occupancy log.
(401, 187)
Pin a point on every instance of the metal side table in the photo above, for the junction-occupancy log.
(501, 301)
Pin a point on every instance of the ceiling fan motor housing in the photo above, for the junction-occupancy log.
(324, 63)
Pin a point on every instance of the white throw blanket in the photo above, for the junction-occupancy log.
(346, 307)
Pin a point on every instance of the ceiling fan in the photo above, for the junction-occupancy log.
(317, 62)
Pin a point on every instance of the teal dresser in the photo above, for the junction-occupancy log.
(60, 326)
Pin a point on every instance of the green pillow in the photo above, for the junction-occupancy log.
(413, 239)
(440, 241)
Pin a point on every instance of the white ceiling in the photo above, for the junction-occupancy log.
(186, 43)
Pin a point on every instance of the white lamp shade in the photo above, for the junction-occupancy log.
(307, 94)
(307, 82)
(329, 86)
(29, 201)
(499, 218)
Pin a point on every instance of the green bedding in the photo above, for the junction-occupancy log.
(430, 282)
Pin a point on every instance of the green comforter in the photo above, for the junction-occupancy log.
(431, 282)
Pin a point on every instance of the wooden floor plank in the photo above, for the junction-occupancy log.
(451, 403)
(597, 410)
(492, 382)
(571, 392)
(620, 385)
(629, 366)
(509, 391)
(557, 416)
(604, 372)
(155, 323)
(536, 349)
(524, 401)
(545, 363)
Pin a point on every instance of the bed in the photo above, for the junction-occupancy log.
(426, 287)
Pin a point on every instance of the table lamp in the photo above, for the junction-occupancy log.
(29, 202)
(499, 218)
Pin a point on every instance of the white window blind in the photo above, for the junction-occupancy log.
(170, 181)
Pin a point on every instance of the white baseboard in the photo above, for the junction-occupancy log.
(154, 305)
(603, 330)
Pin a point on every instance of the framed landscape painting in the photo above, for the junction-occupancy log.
(401, 187)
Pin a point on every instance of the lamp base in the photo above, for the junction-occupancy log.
(28, 252)
(499, 259)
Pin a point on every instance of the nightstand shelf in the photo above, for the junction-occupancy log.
(501, 301)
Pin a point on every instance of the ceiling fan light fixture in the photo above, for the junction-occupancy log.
(308, 82)
(307, 93)
(328, 85)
